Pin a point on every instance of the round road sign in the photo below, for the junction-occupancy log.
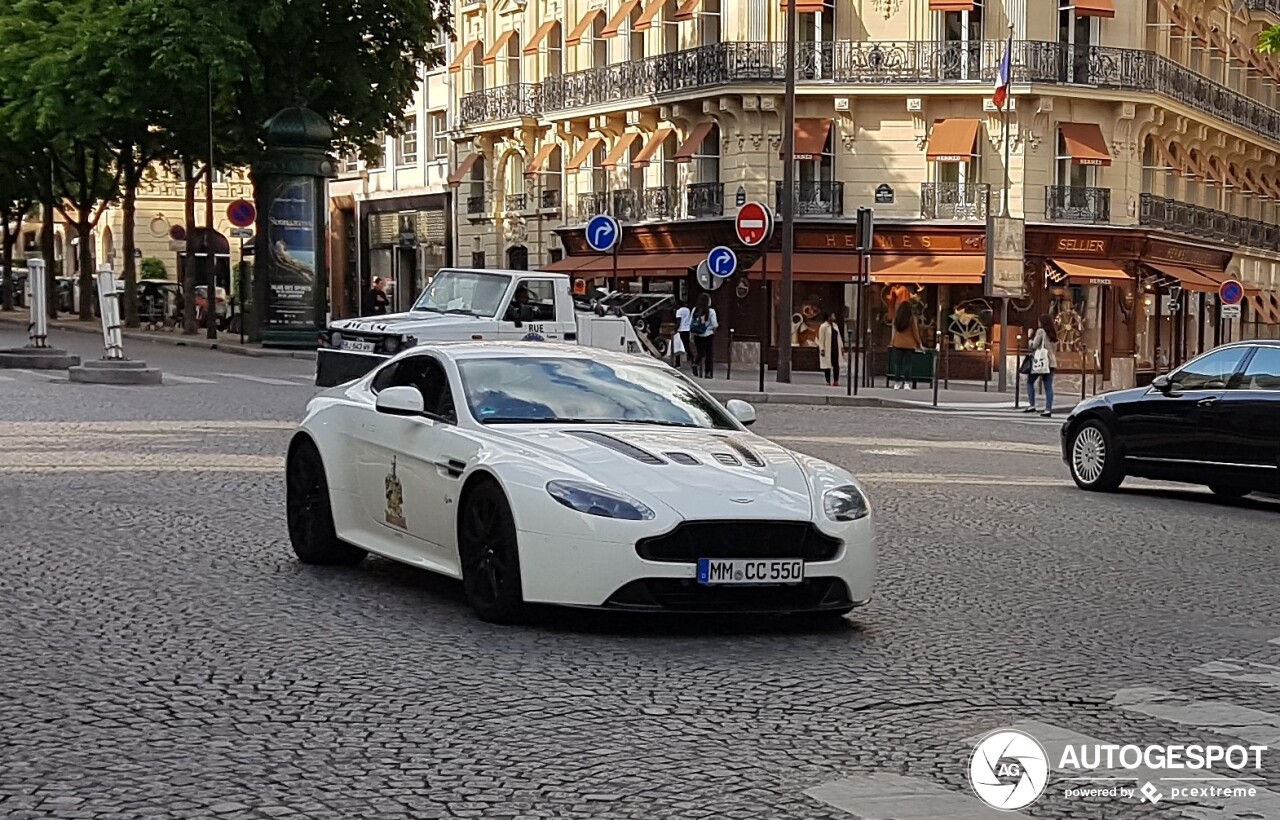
(754, 224)
(603, 233)
(241, 213)
(705, 279)
(1231, 292)
(722, 261)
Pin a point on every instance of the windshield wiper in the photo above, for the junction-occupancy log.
(461, 312)
(427, 308)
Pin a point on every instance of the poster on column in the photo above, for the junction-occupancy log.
(292, 237)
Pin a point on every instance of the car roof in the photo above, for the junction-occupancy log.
(542, 350)
(501, 272)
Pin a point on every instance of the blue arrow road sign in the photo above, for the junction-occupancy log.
(603, 233)
(722, 261)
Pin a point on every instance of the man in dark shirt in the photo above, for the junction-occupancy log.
(376, 301)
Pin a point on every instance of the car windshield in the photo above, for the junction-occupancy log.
(464, 292)
(571, 390)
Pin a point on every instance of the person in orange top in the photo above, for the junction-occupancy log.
(905, 343)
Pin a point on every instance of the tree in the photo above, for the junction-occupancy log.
(1269, 41)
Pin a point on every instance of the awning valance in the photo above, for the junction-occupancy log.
(580, 30)
(805, 6)
(463, 54)
(1095, 8)
(953, 140)
(464, 168)
(1084, 143)
(651, 147)
(1078, 272)
(811, 138)
(951, 5)
(693, 142)
(576, 161)
(928, 270)
(1189, 279)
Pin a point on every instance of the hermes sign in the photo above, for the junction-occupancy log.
(1193, 257)
(895, 242)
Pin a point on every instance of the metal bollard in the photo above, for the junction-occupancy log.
(728, 366)
(1084, 371)
(937, 352)
(1017, 374)
(109, 307)
(986, 372)
(38, 330)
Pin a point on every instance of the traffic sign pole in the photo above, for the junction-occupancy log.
(754, 226)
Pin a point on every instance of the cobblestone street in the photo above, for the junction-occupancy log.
(165, 655)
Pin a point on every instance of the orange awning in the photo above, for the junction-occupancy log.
(651, 147)
(540, 158)
(538, 36)
(928, 270)
(686, 11)
(575, 162)
(953, 140)
(464, 168)
(1191, 280)
(1090, 273)
(1084, 143)
(951, 5)
(811, 264)
(1095, 8)
(805, 6)
(640, 264)
(811, 138)
(646, 18)
(693, 142)
(499, 46)
(1265, 308)
(580, 30)
(619, 17)
(620, 148)
(462, 55)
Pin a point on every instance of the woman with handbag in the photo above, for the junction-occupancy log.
(830, 349)
(703, 329)
(1042, 365)
(903, 345)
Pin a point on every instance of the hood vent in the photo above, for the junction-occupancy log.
(643, 456)
(747, 454)
(727, 459)
(682, 458)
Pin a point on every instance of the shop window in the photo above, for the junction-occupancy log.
(962, 36)
(407, 143)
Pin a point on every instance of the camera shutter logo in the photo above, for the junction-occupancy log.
(1009, 770)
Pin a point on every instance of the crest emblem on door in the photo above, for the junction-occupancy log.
(395, 498)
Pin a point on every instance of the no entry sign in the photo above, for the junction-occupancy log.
(754, 224)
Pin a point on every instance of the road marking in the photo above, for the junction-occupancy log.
(894, 797)
(258, 379)
(176, 379)
(1263, 674)
(47, 375)
(1252, 725)
(4, 378)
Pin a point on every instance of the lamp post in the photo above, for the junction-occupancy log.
(787, 207)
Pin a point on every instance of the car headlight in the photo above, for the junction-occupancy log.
(591, 500)
(845, 504)
(335, 339)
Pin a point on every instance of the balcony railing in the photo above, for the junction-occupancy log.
(517, 202)
(477, 205)
(816, 198)
(549, 200)
(1207, 223)
(505, 102)
(1065, 203)
(705, 199)
(968, 201)
(906, 63)
(591, 204)
(1272, 6)
(630, 204)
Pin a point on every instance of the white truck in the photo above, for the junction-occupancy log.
(464, 305)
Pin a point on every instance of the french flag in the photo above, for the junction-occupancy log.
(1001, 94)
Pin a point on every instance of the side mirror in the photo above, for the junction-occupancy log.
(400, 401)
(742, 411)
(1162, 383)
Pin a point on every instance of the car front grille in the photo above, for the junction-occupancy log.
(686, 595)
(739, 539)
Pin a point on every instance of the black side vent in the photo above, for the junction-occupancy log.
(748, 455)
(618, 446)
(727, 459)
(682, 458)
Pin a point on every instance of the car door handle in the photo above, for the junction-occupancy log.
(1208, 401)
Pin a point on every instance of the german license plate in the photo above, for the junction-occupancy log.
(357, 345)
(717, 571)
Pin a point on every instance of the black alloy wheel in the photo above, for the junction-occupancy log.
(489, 554)
(309, 514)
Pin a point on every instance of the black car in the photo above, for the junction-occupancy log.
(1215, 421)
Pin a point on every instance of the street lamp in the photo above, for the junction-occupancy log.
(786, 208)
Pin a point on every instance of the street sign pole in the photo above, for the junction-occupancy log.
(754, 226)
(764, 313)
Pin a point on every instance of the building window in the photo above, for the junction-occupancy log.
(407, 144)
(962, 33)
(817, 34)
(477, 259)
(709, 23)
(1071, 174)
(350, 163)
(1077, 36)
(439, 126)
(377, 161)
(706, 161)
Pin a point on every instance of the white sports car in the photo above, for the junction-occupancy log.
(545, 473)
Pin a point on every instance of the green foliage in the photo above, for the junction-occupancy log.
(153, 268)
(1269, 41)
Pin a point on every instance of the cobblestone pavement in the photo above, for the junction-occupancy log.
(163, 654)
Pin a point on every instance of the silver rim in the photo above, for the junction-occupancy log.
(1089, 455)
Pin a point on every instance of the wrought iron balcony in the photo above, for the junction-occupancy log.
(814, 198)
(477, 205)
(549, 199)
(1206, 223)
(630, 204)
(904, 63)
(967, 201)
(1065, 203)
(705, 199)
(517, 202)
(591, 204)
(1272, 6)
(507, 102)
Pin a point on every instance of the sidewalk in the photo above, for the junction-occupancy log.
(226, 342)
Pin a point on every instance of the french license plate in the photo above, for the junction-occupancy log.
(717, 571)
(357, 345)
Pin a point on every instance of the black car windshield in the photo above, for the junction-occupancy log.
(467, 293)
(572, 390)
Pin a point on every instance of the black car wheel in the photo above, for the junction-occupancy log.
(310, 516)
(1230, 492)
(487, 549)
(1093, 458)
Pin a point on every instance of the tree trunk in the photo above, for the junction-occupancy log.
(130, 210)
(7, 237)
(211, 282)
(84, 229)
(47, 243)
(189, 264)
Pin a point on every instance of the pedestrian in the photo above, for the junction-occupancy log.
(376, 300)
(830, 349)
(903, 346)
(683, 318)
(702, 326)
(1044, 363)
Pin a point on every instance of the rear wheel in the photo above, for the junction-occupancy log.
(1094, 461)
(1230, 492)
(310, 516)
(490, 557)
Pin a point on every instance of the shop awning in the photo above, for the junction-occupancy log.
(462, 55)
(951, 5)
(629, 264)
(499, 46)
(1084, 143)
(464, 168)
(540, 158)
(544, 31)
(928, 270)
(620, 148)
(953, 140)
(811, 138)
(619, 17)
(805, 6)
(1088, 273)
(1188, 279)
(645, 21)
(1265, 307)
(841, 266)
(651, 147)
(686, 11)
(580, 30)
(1095, 8)
(693, 142)
(576, 161)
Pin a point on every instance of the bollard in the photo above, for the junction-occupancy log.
(109, 307)
(986, 373)
(728, 366)
(1084, 371)
(946, 373)
(38, 330)
(937, 352)
(1017, 374)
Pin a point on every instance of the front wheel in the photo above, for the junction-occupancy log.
(310, 516)
(489, 554)
(1225, 491)
(1094, 460)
